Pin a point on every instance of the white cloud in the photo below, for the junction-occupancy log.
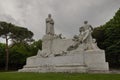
(68, 14)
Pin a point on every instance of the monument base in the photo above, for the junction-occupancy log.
(81, 62)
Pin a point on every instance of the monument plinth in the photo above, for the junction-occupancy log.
(79, 54)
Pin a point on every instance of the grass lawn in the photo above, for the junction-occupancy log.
(56, 76)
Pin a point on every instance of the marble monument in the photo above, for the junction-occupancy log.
(79, 54)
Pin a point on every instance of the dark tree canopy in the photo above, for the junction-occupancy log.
(20, 34)
(15, 33)
(108, 38)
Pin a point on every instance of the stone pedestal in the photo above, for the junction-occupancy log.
(95, 61)
(67, 63)
(82, 62)
(55, 58)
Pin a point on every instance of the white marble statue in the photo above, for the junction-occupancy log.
(79, 54)
(49, 25)
(84, 39)
(86, 36)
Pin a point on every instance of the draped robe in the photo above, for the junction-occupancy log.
(50, 26)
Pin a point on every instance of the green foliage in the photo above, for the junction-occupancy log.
(108, 38)
(16, 34)
(5, 29)
(20, 34)
(2, 55)
(36, 46)
(18, 52)
(57, 76)
(98, 33)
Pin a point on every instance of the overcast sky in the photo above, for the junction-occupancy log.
(67, 14)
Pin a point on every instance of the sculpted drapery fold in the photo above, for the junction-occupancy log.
(50, 25)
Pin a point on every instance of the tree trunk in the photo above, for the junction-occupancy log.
(7, 54)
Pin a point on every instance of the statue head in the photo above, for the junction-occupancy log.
(85, 22)
(49, 15)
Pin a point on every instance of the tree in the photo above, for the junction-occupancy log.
(2, 55)
(5, 32)
(20, 51)
(98, 33)
(35, 46)
(108, 38)
(21, 35)
(16, 34)
(18, 54)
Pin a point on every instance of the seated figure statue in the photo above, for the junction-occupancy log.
(84, 38)
(77, 40)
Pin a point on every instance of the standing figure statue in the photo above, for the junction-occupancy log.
(87, 36)
(49, 25)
